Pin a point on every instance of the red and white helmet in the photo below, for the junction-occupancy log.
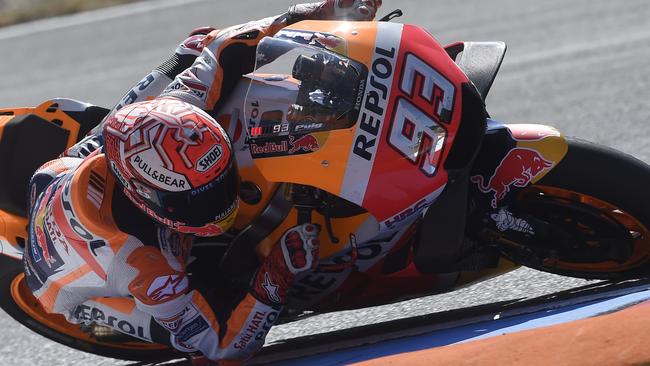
(175, 163)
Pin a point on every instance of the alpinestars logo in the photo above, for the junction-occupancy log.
(270, 288)
(164, 287)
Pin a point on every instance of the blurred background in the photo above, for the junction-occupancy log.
(18, 11)
(569, 63)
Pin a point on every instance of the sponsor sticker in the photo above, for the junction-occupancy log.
(191, 329)
(306, 143)
(257, 326)
(283, 146)
(270, 288)
(409, 212)
(505, 220)
(171, 180)
(165, 287)
(308, 126)
(406, 216)
(269, 148)
(119, 175)
(209, 159)
(518, 168)
(185, 316)
(87, 314)
(41, 241)
(372, 114)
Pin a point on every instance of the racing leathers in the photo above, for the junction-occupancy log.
(87, 242)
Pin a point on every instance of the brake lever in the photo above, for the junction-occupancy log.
(392, 15)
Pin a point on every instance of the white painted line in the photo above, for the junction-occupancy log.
(557, 316)
(72, 20)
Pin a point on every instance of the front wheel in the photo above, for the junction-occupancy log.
(589, 217)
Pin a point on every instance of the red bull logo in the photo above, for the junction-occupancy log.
(518, 168)
(42, 243)
(307, 143)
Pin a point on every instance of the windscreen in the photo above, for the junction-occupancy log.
(297, 89)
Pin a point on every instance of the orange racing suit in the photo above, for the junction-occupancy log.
(87, 242)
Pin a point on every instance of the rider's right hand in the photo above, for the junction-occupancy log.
(296, 252)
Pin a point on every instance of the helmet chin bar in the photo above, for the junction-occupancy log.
(137, 201)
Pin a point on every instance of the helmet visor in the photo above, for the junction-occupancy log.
(212, 202)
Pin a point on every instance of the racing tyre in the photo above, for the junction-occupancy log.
(17, 301)
(589, 217)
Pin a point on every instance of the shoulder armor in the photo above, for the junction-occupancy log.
(91, 193)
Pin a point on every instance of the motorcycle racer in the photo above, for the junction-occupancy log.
(116, 214)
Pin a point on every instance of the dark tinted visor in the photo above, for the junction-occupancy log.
(208, 203)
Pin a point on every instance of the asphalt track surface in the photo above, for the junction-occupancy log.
(581, 65)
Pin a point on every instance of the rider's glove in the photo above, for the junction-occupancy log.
(296, 252)
(84, 147)
(335, 10)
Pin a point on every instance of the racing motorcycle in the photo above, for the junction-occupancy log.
(380, 135)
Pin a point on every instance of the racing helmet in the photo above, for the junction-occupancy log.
(175, 163)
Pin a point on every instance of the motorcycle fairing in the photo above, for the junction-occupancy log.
(63, 121)
(480, 61)
(391, 159)
(513, 157)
